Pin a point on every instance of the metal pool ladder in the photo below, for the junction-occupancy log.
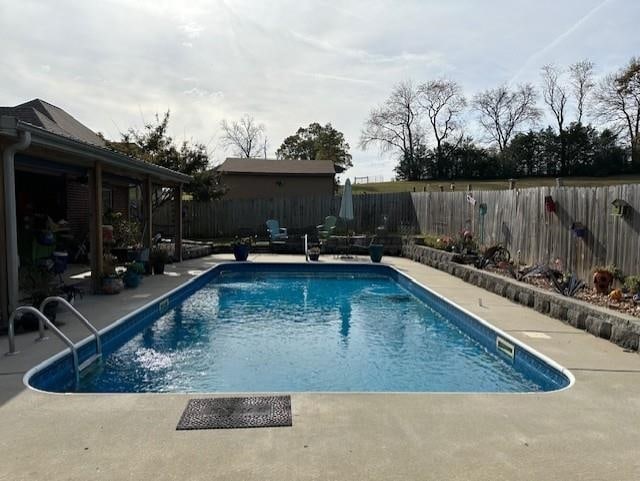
(43, 320)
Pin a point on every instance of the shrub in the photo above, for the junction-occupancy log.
(242, 241)
(632, 283)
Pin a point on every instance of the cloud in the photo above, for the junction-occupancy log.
(339, 78)
(287, 62)
(364, 55)
(197, 92)
(191, 30)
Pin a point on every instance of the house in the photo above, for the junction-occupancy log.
(268, 178)
(55, 168)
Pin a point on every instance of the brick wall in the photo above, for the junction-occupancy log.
(78, 208)
(120, 196)
(78, 205)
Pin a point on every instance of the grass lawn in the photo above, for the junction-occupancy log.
(497, 184)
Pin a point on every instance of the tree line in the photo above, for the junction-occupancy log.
(595, 128)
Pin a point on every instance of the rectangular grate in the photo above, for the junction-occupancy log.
(505, 347)
(236, 412)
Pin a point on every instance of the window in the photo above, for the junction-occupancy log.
(107, 200)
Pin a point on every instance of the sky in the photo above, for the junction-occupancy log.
(113, 64)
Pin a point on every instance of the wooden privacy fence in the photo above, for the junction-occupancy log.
(515, 218)
(224, 218)
(518, 220)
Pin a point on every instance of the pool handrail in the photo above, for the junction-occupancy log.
(45, 321)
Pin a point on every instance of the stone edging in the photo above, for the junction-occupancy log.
(620, 329)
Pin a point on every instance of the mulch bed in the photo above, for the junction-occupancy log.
(587, 294)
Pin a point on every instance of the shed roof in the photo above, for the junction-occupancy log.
(277, 167)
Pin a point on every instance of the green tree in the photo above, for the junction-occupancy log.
(154, 145)
(415, 165)
(317, 142)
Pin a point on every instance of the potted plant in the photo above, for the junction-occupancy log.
(632, 284)
(158, 258)
(111, 282)
(241, 248)
(375, 251)
(603, 277)
(314, 253)
(133, 275)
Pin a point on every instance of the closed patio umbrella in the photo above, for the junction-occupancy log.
(346, 209)
(346, 204)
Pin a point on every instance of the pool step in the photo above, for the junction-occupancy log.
(89, 361)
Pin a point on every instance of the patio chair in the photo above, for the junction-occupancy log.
(276, 233)
(326, 230)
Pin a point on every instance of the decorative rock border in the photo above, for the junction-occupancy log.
(621, 329)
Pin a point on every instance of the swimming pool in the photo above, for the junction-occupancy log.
(262, 327)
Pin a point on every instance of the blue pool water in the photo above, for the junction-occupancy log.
(268, 331)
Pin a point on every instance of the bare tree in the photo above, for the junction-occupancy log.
(442, 101)
(555, 96)
(581, 74)
(245, 137)
(503, 111)
(618, 99)
(395, 125)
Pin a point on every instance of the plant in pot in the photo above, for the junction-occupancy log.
(313, 252)
(241, 248)
(375, 251)
(632, 284)
(133, 275)
(111, 282)
(158, 258)
(603, 278)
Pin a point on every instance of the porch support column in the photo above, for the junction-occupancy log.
(177, 218)
(4, 300)
(147, 209)
(10, 220)
(95, 207)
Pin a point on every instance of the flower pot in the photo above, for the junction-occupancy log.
(314, 257)
(112, 285)
(602, 281)
(158, 268)
(131, 280)
(375, 252)
(241, 252)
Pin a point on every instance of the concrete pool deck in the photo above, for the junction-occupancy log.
(587, 432)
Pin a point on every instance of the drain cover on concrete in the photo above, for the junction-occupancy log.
(236, 412)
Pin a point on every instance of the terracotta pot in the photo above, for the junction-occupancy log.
(602, 281)
(112, 285)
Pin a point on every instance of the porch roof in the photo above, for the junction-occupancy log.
(84, 153)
